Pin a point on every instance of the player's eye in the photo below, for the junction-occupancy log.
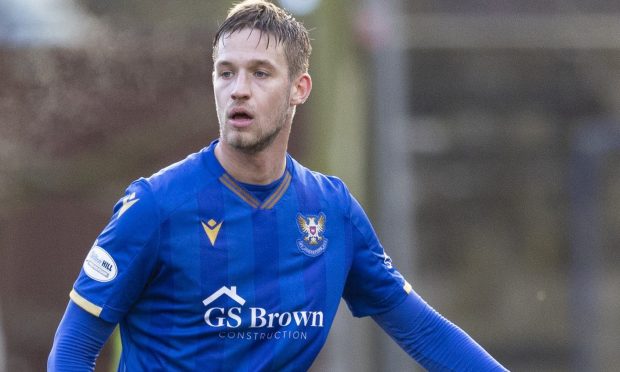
(226, 74)
(261, 74)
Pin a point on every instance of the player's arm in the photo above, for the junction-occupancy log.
(113, 275)
(78, 341)
(432, 340)
(374, 287)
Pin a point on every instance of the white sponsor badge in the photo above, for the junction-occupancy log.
(99, 265)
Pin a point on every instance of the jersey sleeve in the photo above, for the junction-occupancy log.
(123, 257)
(432, 340)
(373, 284)
(78, 341)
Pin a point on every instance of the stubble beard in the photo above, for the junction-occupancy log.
(252, 143)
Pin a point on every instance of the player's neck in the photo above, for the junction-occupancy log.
(260, 168)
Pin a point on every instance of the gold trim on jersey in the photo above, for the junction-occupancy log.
(229, 182)
(407, 287)
(269, 203)
(85, 304)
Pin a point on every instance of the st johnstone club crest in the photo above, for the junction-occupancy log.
(313, 243)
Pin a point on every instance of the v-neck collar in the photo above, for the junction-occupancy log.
(244, 194)
(238, 189)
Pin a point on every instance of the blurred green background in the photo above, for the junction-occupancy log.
(482, 138)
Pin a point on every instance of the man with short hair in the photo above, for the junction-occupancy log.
(236, 258)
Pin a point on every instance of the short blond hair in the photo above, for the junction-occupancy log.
(270, 20)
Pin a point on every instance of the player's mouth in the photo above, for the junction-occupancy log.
(240, 117)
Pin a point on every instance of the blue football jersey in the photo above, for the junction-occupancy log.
(203, 276)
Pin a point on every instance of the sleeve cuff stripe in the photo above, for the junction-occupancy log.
(407, 287)
(85, 304)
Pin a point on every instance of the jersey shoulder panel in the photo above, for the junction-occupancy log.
(331, 187)
(175, 184)
(128, 244)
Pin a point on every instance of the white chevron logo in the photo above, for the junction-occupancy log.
(128, 201)
(230, 292)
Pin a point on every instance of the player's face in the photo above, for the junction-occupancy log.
(252, 90)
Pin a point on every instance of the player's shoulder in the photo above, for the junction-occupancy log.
(178, 171)
(329, 186)
(176, 183)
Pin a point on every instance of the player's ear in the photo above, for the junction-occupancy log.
(300, 89)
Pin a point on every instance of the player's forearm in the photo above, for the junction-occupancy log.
(79, 338)
(432, 340)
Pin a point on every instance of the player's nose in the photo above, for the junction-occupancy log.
(241, 87)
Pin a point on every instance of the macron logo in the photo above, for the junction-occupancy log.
(230, 292)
